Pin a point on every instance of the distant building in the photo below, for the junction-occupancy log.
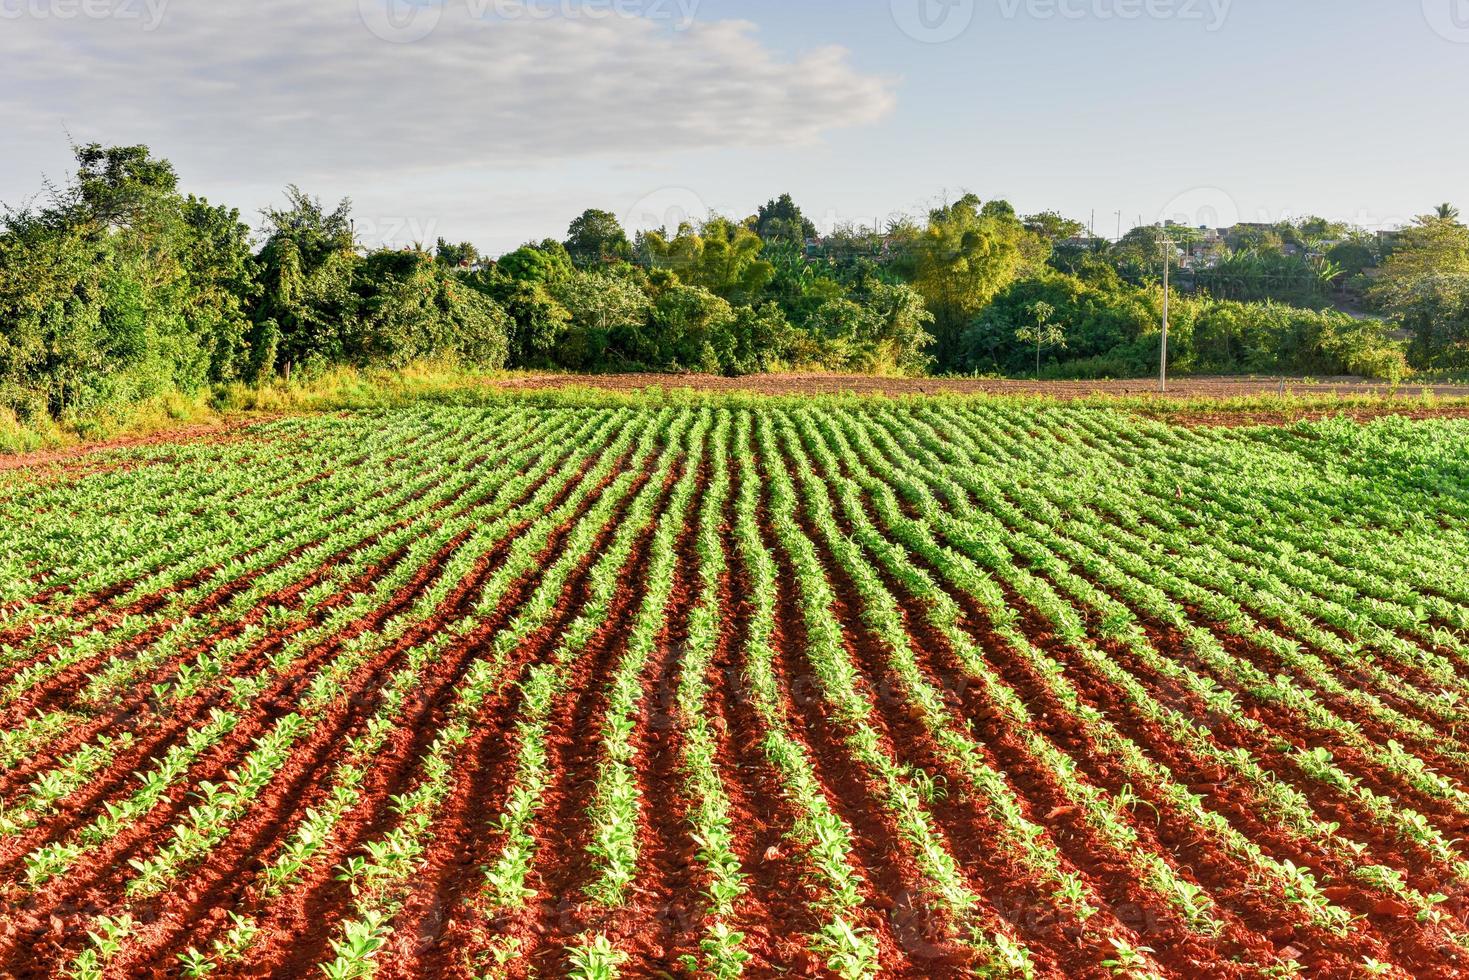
(1205, 248)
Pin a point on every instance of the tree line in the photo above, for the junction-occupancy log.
(119, 286)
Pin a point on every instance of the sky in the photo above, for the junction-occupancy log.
(499, 121)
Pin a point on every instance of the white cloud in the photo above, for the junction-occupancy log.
(299, 89)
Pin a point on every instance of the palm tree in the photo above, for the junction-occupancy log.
(1446, 212)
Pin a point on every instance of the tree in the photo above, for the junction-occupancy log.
(882, 329)
(899, 339)
(960, 262)
(1447, 212)
(1107, 320)
(761, 339)
(1352, 257)
(1044, 334)
(1422, 288)
(781, 220)
(461, 256)
(608, 316)
(1054, 228)
(54, 341)
(722, 257)
(538, 321)
(690, 328)
(306, 269)
(597, 238)
(119, 288)
(1434, 308)
(120, 186)
(543, 263)
(221, 273)
(1256, 238)
(1432, 244)
(414, 307)
(999, 209)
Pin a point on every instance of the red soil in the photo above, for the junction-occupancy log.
(560, 912)
(276, 701)
(443, 924)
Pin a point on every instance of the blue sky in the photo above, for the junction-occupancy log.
(502, 123)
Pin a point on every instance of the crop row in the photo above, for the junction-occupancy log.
(869, 689)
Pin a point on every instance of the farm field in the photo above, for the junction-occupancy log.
(1196, 387)
(711, 687)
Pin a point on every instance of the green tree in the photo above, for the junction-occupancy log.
(123, 187)
(759, 339)
(1053, 227)
(781, 220)
(1422, 288)
(960, 262)
(461, 256)
(307, 267)
(221, 272)
(1043, 333)
(721, 257)
(543, 263)
(1432, 244)
(1352, 257)
(1434, 309)
(608, 320)
(690, 327)
(537, 321)
(899, 340)
(119, 288)
(597, 238)
(998, 209)
(414, 307)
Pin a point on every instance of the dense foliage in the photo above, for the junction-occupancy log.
(119, 287)
(1111, 329)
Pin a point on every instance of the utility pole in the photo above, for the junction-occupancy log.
(1119, 226)
(1167, 244)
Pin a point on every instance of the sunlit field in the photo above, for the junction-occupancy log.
(715, 687)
